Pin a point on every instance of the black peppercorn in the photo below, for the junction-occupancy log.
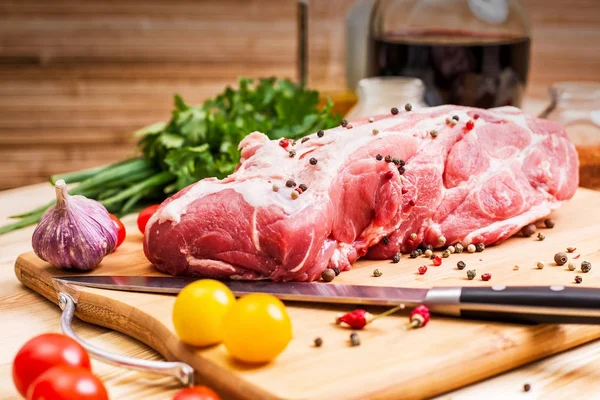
(419, 251)
(379, 157)
(549, 223)
(290, 183)
(428, 247)
(354, 339)
(408, 106)
(455, 117)
(303, 187)
(344, 123)
(312, 161)
(292, 153)
(385, 240)
(388, 158)
(318, 342)
(402, 163)
(401, 170)
(394, 110)
(336, 270)
(320, 133)
(396, 161)
(479, 247)
(396, 258)
(328, 275)
(578, 279)
(461, 265)
(305, 139)
(526, 387)
(414, 254)
(586, 266)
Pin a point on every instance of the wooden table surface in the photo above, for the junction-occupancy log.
(24, 314)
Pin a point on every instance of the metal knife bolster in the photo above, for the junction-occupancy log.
(552, 304)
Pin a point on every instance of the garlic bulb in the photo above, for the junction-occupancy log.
(77, 232)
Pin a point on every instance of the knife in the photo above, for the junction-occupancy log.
(547, 304)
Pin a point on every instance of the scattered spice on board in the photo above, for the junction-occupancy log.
(560, 258)
(451, 249)
(422, 269)
(388, 158)
(486, 277)
(284, 142)
(445, 254)
(586, 266)
(371, 119)
(470, 125)
(549, 222)
(539, 265)
(442, 240)
(303, 187)
(328, 275)
(437, 261)
(578, 279)
(356, 319)
(479, 247)
(292, 153)
(275, 187)
(305, 139)
(471, 248)
(541, 236)
(455, 117)
(336, 270)
(349, 126)
(526, 387)
(471, 274)
(428, 253)
(321, 133)
(313, 161)
(290, 183)
(528, 230)
(516, 268)
(354, 339)
(394, 110)
(294, 195)
(379, 157)
(571, 249)
(344, 123)
(318, 342)
(377, 273)
(571, 266)
(419, 317)
(461, 265)
(433, 133)
(576, 257)
(414, 254)
(396, 258)
(408, 107)
(459, 248)
(375, 132)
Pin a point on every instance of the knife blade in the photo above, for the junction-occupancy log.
(549, 304)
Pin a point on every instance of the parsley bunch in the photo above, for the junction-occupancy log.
(198, 142)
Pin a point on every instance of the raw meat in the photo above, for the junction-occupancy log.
(478, 185)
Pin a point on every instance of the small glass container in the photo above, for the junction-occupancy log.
(378, 95)
(576, 105)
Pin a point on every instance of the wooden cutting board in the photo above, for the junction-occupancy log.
(391, 362)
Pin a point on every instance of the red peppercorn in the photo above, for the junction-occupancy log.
(486, 277)
(476, 116)
(419, 317)
(437, 261)
(389, 175)
(284, 142)
(411, 202)
(422, 269)
(470, 125)
(404, 190)
(356, 319)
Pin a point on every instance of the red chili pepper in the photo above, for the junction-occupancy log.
(470, 125)
(404, 190)
(419, 317)
(437, 261)
(486, 277)
(284, 142)
(356, 319)
(422, 269)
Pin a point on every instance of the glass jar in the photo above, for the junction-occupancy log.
(467, 52)
(576, 105)
(379, 95)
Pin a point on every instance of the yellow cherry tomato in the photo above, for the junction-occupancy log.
(257, 328)
(199, 311)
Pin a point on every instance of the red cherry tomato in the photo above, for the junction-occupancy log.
(145, 215)
(67, 383)
(121, 232)
(196, 393)
(44, 352)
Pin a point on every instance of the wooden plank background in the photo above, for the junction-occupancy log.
(77, 77)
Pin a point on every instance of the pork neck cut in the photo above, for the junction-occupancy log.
(370, 189)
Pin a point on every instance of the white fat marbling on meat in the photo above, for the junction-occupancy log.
(255, 183)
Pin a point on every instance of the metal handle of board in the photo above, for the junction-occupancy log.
(182, 371)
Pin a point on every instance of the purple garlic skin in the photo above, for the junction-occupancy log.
(75, 233)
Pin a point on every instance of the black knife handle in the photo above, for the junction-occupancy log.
(547, 304)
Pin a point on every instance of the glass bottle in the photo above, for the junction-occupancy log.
(378, 95)
(576, 105)
(467, 52)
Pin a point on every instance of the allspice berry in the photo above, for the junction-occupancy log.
(328, 275)
(528, 230)
(560, 258)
